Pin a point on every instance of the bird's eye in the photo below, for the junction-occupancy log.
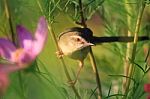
(78, 39)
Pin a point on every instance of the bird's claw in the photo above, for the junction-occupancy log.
(59, 54)
(72, 82)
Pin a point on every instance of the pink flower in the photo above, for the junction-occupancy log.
(4, 82)
(29, 47)
(147, 89)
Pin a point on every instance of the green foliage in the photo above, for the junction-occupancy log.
(45, 78)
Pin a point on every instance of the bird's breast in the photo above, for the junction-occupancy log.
(79, 54)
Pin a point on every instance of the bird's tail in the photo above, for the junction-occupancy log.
(99, 40)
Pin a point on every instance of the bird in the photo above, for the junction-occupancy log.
(75, 43)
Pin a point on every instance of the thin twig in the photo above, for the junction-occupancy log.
(64, 65)
(128, 51)
(13, 36)
(83, 21)
(8, 15)
(91, 55)
(61, 59)
(137, 28)
(95, 70)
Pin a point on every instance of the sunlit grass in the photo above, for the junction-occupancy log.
(45, 78)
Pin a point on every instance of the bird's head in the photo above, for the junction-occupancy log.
(78, 42)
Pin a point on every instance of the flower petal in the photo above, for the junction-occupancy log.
(6, 48)
(147, 88)
(40, 35)
(4, 82)
(25, 38)
(31, 46)
(148, 97)
(25, 58)
(10, 68)
(5, 70)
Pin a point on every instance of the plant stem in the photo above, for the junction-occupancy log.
(13, 36)
(8, 15)
(137, 28)
(95, 70)
(63, 63)
(91, 55)
(21, 84)
(83, 21)
(128, 51)
(61, 59)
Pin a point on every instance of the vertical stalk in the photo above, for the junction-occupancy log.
(137, 28)
(61, 59)
(8, 16)
(91, 55)
(63, 63)
(95, 70)
(128, 8)
(83, 21)
(13, 36)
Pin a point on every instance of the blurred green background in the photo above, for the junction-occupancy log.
(105, 18)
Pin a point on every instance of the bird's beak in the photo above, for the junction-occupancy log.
(85, 45)
(91, 44)
(88, 44)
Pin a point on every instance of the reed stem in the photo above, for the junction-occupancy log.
(129, 44)
(61, 59)
(133, 55)
(9, 18)
(91, 55)
(13, 36)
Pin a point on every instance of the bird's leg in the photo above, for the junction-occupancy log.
(81, 64)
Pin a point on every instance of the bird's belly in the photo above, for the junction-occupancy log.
(79, 54)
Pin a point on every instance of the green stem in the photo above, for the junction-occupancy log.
(61, 59)
(137, 28)
(91, 55)
(13, 36)
(128, 51)
(83, 21)
(63, 63)
(21, 84)
(8, 15)
(95, 70)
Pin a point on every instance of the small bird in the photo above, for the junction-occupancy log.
(75, 43)
(75, 46)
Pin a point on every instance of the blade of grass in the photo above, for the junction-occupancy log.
(109, 90)
(9, 18)
(125, 77)
(61, 59)
(93, 93)
(91, 55)
(128, 8)
(133, 55)
(114, 95)
(13, 36)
